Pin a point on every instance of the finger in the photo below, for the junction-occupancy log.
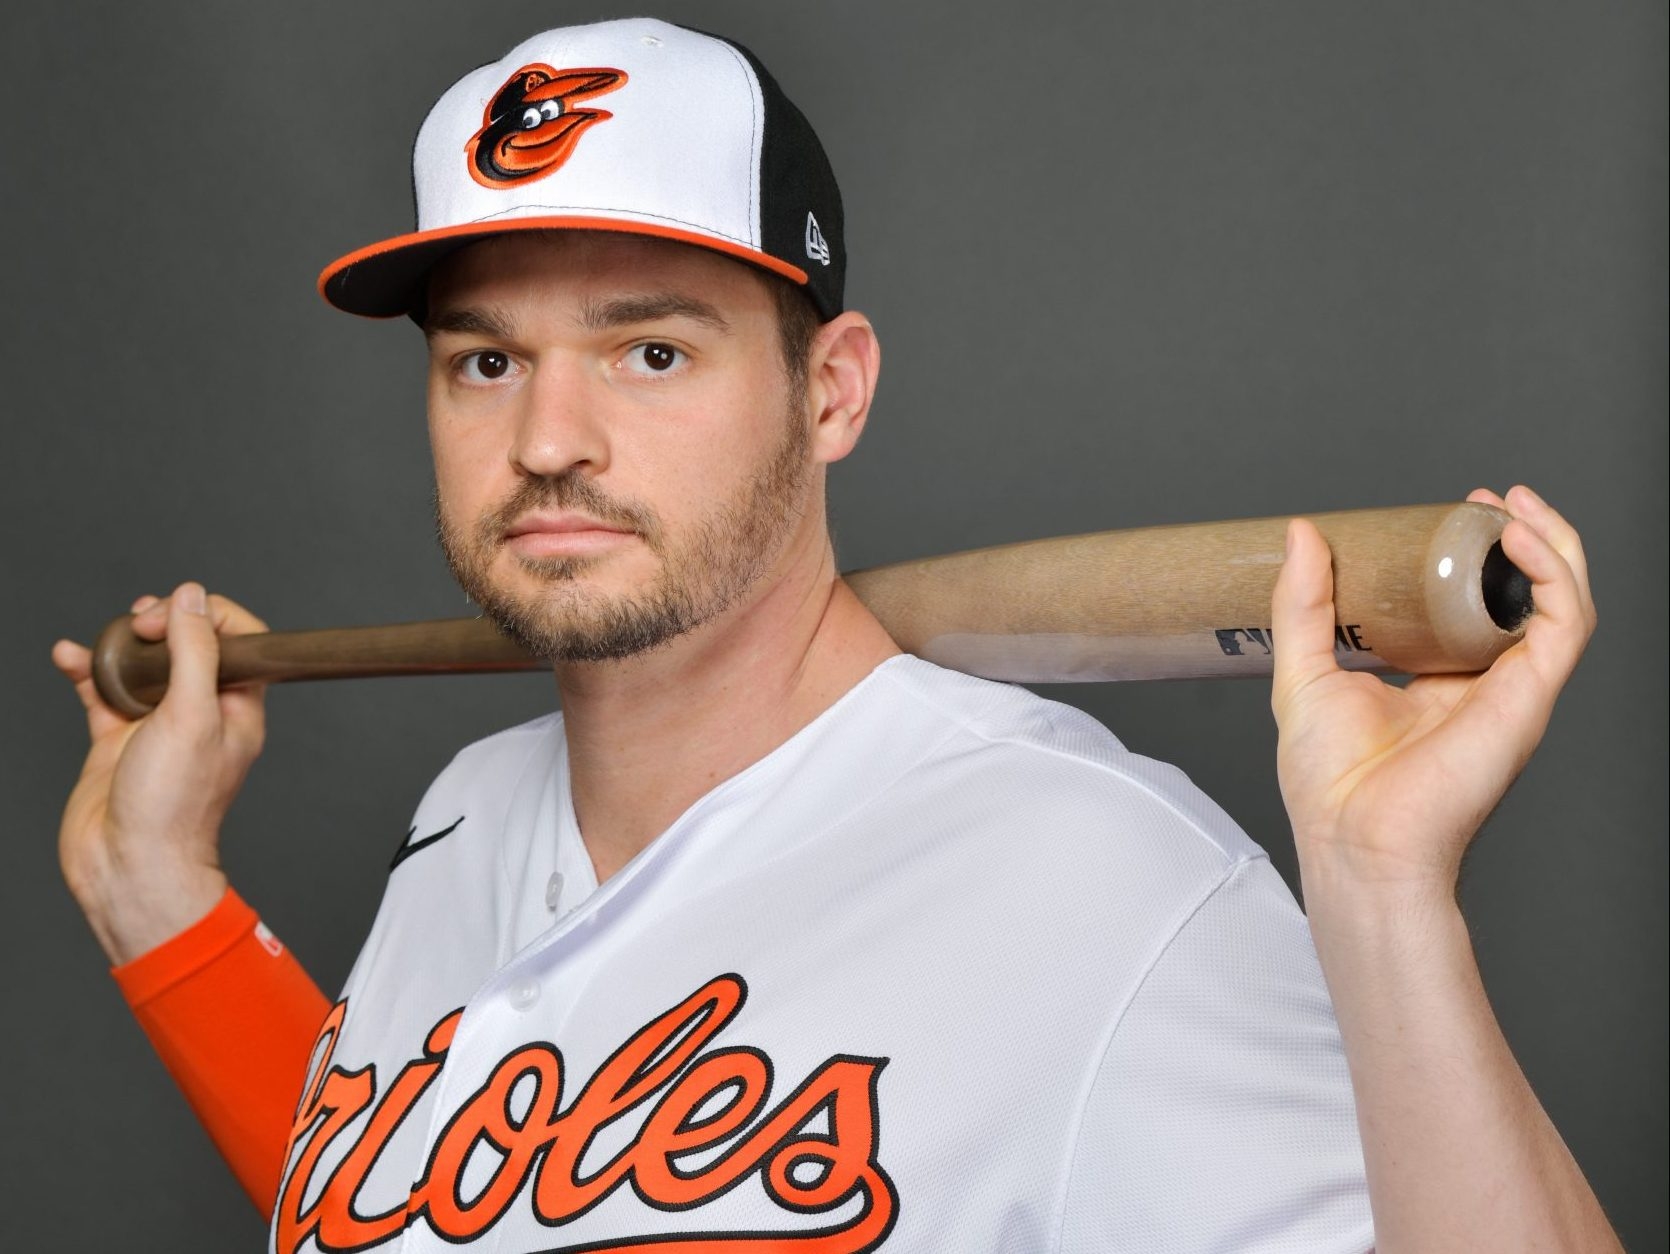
(1557, 633)
(1549, 523)
(1302, 613)
(193, 652)
(151, 621)
(1552, 526)
(231, 619)
(75, 662)
(242, 709)
(1508, 707)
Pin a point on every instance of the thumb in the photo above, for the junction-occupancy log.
(193, 652)
(1302, 612)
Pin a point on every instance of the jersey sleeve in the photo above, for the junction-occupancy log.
(1221, 1117)
(233, 1016)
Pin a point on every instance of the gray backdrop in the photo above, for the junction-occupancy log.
(1130, 263)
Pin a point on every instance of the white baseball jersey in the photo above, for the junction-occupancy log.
(949, 970)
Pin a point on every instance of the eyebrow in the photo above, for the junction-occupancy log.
(621, 311)
(488, 322)
(595, 315)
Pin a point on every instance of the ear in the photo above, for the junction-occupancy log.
(841, 372)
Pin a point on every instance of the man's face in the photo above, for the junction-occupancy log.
(618, 457)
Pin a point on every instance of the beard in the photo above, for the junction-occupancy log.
(701, 575)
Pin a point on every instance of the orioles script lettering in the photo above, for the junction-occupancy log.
(814, 1151)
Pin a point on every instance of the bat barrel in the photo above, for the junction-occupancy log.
(1507, 590)
(1421, 589)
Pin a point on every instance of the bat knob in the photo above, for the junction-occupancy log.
(113, 656)
(1507, 590)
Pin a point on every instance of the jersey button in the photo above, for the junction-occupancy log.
(553, 890)
(524, 993)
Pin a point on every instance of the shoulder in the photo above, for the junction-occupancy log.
(497, 759)
(484, 775)
(1222, 1106)
(453, 849)
(1063, 774)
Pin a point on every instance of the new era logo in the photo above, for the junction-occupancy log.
(817, 248)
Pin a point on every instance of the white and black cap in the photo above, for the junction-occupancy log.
(636, 126)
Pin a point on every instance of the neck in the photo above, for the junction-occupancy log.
(649, 735)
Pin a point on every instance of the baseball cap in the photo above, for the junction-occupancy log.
(633, 125)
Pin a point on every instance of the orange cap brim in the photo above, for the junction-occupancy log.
(387, 279)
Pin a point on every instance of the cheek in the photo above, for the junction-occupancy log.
(707, 455)
(687, 480)
(465, 474)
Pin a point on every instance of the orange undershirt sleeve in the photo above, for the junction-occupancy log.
(233, 1016)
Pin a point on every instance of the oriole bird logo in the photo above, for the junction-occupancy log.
(531, 124)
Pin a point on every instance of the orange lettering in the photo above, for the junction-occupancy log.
(631, 1075)
(669, 1132)
(705, 1099)
(485, 1118)
(340, 1096)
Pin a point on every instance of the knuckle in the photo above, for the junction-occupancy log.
(233, 619)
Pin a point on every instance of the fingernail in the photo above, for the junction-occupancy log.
(192, 599)
(1287, 541)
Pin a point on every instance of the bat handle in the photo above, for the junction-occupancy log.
(122, 673)
(132, 674)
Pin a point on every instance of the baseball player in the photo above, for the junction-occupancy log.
(776, 937)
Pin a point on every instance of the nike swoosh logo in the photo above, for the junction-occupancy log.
(409, 846)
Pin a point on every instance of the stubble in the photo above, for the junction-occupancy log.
(701, 575)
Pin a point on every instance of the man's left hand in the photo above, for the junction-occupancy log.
(1386, 786)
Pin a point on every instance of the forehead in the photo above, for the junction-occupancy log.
(554, 267)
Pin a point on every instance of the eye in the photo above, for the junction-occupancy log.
(486, 366)
(654, 358)
(550, 110)
(531, 117)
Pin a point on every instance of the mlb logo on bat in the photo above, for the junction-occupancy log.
(1348, 638)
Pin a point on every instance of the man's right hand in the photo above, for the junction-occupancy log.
(139, 844)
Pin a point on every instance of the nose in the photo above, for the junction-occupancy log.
(562, 423)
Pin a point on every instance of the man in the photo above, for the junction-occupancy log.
(776, 936)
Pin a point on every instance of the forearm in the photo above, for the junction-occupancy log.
(1459, 1152)
(233, 1017)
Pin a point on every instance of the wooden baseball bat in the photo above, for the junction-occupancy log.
(1420, 589)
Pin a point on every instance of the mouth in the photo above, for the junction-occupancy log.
(553, 535)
